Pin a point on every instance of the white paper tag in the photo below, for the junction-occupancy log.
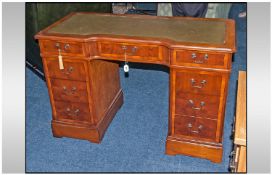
(126, 68)
(60, 63)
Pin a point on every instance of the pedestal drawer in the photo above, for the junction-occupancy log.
(197, 105)
(72, 91)
(195, 127)
(73, 69)
(201, 59)
(72, 111)
(67, 48)
(198, 82)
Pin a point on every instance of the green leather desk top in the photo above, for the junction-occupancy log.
(176, 29)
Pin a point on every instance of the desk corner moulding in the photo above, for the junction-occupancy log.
(79, 54)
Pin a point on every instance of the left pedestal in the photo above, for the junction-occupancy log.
(84, 96)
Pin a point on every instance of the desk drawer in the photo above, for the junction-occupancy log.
(72, 91)
(72, 111)
(201, 59)
(198, 82)
(195, 127)
(73, 69)
(197, 105)
(67, 48)
(132, 50)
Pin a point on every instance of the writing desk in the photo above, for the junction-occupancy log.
(84, 87)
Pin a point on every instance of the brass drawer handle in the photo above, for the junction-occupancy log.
(206, 56)
(134, 49)
(68, 71)
(66, 46)
(72, 113)
(202, 83)
(193, 55)
(124, 47)
(194, 131)
(197, 108)
(69, 92)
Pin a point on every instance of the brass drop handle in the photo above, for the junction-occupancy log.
(190, 125)
(66, 46)
(201, 85)
(193, 55)
(68, 71)
(124, 47)
(195, 131)
(72, 113)
(198, 129)
(134, 49)
(206, 56)
(72, 91)
(197, 108)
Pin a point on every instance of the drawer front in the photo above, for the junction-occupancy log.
(200, 59)
(67, 48)
(73, 111)
(72, 91)
(195, 127)
(133, 51)
(73, 70)
(199, 82)
(197, 105)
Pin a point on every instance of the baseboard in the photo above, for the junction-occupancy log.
(78, 132)
(206, 151)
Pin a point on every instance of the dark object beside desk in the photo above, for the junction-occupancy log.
(86, 94)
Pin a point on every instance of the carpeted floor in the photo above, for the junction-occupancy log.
(135, 140)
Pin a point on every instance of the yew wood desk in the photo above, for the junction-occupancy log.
(84, 87)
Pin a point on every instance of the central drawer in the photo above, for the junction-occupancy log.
(132, 51)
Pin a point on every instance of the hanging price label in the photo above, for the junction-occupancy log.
(126, 68)
(60, 61)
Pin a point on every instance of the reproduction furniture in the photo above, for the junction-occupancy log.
(79, 54)
(238, 161)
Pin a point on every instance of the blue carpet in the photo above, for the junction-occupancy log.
(135, 140)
